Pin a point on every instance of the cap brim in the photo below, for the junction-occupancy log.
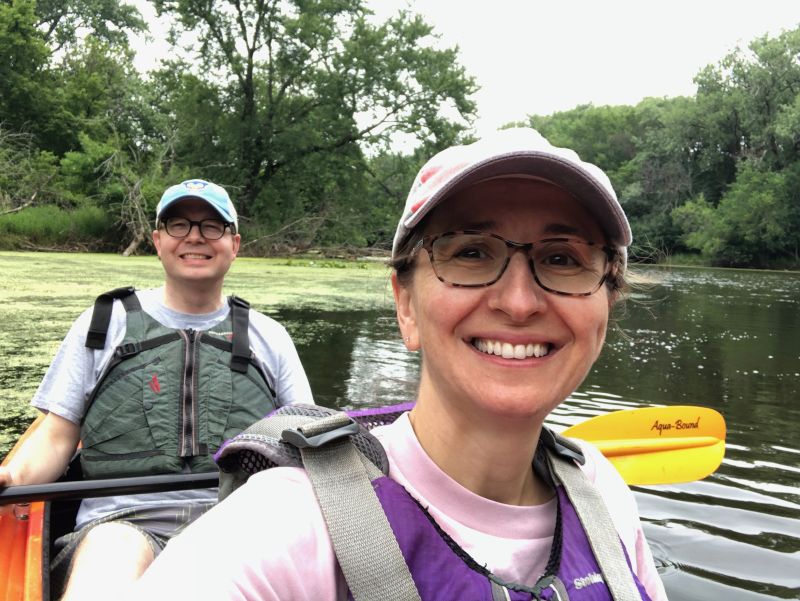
(172, 201)
(564, 174)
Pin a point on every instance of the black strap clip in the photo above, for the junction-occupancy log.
(123, 351)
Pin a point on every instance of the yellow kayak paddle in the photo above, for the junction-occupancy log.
(658, 445)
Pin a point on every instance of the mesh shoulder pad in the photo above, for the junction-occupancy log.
(260, 447)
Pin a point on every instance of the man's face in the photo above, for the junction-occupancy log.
(194, 258)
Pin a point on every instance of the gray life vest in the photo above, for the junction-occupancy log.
(347, 467)
(168, 398)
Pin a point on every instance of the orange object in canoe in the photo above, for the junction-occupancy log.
(22, 544)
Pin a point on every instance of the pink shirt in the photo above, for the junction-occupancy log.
(268, 540)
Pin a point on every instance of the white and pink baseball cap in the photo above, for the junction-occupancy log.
(513, 152)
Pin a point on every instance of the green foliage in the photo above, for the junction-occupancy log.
(25, 172)
(603, 135)
(51, 227)
(756, 222)
(60, 21)
(713, 174)
(24, 80)
(81, 169)
(645, 151)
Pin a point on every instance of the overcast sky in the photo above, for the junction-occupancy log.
(538, 57)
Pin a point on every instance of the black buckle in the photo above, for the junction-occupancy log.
(127, 349)
(561, 447)
(296, 437)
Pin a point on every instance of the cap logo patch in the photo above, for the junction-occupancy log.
(195, 185)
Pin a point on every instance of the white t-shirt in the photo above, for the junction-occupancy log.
(76, 369)
(268, 540)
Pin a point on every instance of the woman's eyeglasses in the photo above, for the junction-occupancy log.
(210, 229)
(561, 265)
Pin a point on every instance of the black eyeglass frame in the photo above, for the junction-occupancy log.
(427, 242)
(199, 224)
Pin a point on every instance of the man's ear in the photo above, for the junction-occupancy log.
(157, 241)
(237, 240)
(406, 314)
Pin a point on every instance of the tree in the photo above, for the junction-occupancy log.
(26, 174)
(52, 95)
(644, 152)
(746, 110)
(102, 96)
(756, 222)
(304, 88)
(25, 83)
(604, 135)
(61, 22)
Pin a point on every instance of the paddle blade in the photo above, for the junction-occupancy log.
(658, 445)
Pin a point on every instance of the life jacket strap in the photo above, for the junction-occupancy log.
(342, 481)
(240, 317)
(101, 316)
(599, 528)
(499, 592)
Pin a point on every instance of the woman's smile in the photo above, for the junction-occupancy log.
(507, 350)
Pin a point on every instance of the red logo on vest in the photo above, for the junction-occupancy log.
(154, 385)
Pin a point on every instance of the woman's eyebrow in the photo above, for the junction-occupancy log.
(551, 229)
(562, 228)
(478, 225)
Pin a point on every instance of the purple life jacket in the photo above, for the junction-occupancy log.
(444, 572)
(440, 569)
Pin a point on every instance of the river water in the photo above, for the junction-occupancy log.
(724, 339)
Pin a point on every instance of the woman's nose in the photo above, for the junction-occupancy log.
(516, 293)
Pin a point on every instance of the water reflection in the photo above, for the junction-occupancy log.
(358, 357)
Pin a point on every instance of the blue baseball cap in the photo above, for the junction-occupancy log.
(214, 195)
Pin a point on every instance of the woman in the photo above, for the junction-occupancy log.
(507, 261)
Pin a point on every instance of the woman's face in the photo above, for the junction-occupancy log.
(454, 326)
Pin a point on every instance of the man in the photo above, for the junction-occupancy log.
(153, 382)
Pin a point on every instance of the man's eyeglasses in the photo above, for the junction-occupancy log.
(471, 258)
(210, 229)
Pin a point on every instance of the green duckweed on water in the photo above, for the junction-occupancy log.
(42, 293)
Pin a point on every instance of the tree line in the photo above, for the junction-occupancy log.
(297, 108)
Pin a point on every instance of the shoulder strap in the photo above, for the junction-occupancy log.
(596, 521)
(240, 319)
(362, 538)
(101, 314)
(341, 459)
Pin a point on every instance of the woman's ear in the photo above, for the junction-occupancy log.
(406, 315)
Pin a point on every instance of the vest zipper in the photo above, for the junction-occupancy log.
(189, 444)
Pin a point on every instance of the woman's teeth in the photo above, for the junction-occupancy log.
(510, 351)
